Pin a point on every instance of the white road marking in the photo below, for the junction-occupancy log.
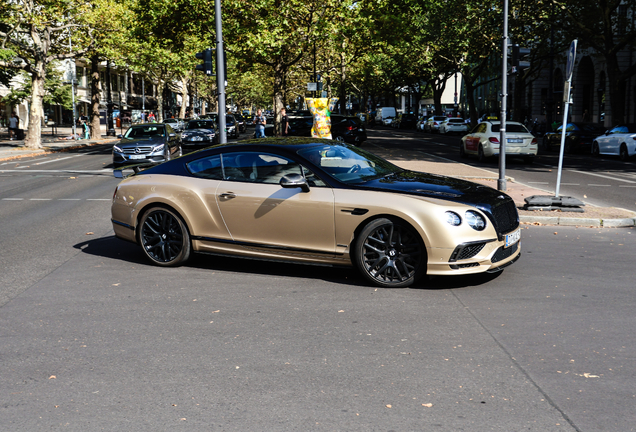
(60, 159)
(570, 184)
(40, 199)
(598, 185)
(603, 176)
(12, 199)
(627, 186)
(538, 182)
(68, 171)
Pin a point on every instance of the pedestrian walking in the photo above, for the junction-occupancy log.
(14, 124)
(151, 117)
(284, 122)
(259, 121)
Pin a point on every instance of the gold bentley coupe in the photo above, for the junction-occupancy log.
(316, 201)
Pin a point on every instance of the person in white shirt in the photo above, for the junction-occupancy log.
(14, 123)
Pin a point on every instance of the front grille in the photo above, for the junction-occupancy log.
(506, 216)
(503, 253)
(142, 149)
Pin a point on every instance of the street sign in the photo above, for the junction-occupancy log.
(312, 87)
(571, 57)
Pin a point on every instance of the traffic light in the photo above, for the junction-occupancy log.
(517, 54)
(206, 66)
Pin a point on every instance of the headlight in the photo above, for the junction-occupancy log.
(184, 134)
(475, 220)
(453, 218)
(117, 149)
(158, 148)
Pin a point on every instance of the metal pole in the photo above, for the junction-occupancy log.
(220, 71)
(71, 64)
(110, 130)
(501, 182)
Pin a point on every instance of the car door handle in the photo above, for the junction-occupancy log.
(228, 195)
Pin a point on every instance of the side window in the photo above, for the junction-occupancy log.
(312, 179)
(482, 128)
(258, 167)
(209, 168)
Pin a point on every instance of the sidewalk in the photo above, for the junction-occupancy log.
(416, 161)
(592, 217)
(61, 141)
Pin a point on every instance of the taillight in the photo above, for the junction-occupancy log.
(350, 128)
(493, 140)
(534, 141)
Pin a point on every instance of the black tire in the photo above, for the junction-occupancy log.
(595, 150)
(390, 254)
(164, 237)
(168, 154)
(480, 154)
(462, 152)
(623, 154)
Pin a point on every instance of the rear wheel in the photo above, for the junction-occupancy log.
(595, 150)
(164, 237)
(390, 253)
(623, 154)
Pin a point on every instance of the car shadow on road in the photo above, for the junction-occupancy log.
(117, 249)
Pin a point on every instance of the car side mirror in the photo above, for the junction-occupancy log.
(291, 181)
(172, 135)
(120, 136)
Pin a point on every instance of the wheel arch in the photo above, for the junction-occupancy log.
(365, 222)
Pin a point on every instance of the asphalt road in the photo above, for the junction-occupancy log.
(603, 181)
(95, 338)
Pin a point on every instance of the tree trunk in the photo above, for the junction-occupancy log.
(279, 96)
(438, 89)
(34, 131)
(616, 87)
(160, 87)
(184, 98)
(96, 130)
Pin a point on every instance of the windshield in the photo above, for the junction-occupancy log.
(200, 124)
(348, 164)
(144, 132)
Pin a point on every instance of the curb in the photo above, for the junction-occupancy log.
(25, 152)
(586, 222)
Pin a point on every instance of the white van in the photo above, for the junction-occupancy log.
(384, 113)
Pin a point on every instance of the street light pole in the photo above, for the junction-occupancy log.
(110, 129)
(501, 182)
(220, 71)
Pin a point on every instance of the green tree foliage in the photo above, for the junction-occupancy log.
(38, 34)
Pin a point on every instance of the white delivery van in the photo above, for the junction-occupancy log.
(384, 113)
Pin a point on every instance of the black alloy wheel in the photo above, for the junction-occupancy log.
(390, 253)
(623, 154)
(595, 150)
(164, 237)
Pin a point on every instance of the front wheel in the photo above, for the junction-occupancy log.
(390, 253)
(480, 154)
(595, 150)
(624, 155)
(164, 237)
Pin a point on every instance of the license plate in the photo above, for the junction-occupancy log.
(513, 238)
(137, 156)
(515, 140)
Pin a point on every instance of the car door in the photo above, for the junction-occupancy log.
(259, 213)
(473, 139)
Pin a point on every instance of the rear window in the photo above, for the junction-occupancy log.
(456, 120)
(511, 127)
(439, 118)
(198, 124)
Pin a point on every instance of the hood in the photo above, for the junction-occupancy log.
(144, 141)
(438, 186)
(199, 131)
